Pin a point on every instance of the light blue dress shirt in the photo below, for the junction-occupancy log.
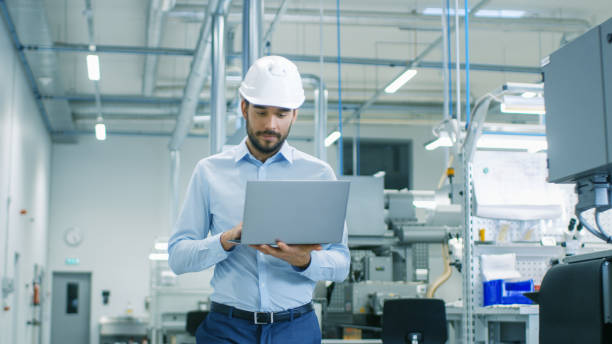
(245, 278)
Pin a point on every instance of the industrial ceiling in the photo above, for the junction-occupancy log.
(146, 49)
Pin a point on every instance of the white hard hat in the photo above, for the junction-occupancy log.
(273, 81)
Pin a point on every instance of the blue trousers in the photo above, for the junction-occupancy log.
(219, 328)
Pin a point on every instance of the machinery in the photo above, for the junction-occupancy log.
(172, 297)
(576, 296)
(389, 236)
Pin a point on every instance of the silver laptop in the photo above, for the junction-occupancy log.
(295, 212)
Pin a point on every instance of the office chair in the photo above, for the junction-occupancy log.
(414, 321)
(194, 319)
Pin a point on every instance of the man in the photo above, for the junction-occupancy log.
(262, 294)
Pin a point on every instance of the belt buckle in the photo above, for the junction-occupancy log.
(256, 319)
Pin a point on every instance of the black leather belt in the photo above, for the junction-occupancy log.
(260, 318)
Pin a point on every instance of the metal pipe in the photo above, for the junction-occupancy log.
(155, 24)
(445, 69)
(218, 102)
(277, 16)
(197, 76)
(320, 115)
(26, 66)
(111, 49)
(396, 19)
(458, 60)
(251, 33)
(430, 235)
(175, 164)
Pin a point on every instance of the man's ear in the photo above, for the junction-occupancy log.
(244, 107)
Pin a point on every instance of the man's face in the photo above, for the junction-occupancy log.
(267, 126)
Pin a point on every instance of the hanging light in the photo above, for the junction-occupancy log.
(100, 129)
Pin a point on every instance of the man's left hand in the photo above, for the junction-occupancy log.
(296, 255)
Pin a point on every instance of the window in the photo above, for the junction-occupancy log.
(392, 156)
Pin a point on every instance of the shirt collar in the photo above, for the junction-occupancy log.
(242, 152)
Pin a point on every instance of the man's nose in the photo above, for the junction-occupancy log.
(271, 123)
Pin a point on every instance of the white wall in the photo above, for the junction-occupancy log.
(25, 155)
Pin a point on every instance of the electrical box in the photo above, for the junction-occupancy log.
(578, 98)
(378, 268)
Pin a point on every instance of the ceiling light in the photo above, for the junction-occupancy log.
(400, 81)
(158, 256)
(100, 130)
(333, 137)
(93, 67)
(529, 95)
(437, 11)
(500, 13)
(523, 105)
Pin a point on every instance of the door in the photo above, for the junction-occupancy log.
(70, 308)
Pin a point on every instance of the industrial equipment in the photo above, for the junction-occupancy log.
(578, 89)
(172, 297)
(389, 236)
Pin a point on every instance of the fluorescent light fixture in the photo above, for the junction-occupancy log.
(522, 104)
(400, 81)
(500, 13)
(163, 246)
(158, 256)
(93, 67)
(529, 143)
(333, 137)
(529, 95)
(100, 131)
(437, 11)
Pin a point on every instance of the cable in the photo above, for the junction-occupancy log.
(591, 229)
(467, 66)
(599, 226)
(340, 143)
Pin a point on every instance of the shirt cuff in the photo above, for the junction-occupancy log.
(313, 270)
(213, 248)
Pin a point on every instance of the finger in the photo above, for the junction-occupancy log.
(317, 247)
(282, 246)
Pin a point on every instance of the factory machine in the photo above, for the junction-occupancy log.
(389, 236)
(172, 297)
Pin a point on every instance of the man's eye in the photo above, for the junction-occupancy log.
(260, 113)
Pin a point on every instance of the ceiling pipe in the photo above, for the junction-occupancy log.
(197, 76)
(364, 61)
(155, 26)
(405, 20)
(251, 50)
(279, 13)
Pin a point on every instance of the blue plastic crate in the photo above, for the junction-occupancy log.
(500, 292)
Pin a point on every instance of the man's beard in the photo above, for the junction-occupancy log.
(261, 148)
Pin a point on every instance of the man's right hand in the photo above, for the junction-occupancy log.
(232, 234)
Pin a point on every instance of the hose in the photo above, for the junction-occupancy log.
(431, 289)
